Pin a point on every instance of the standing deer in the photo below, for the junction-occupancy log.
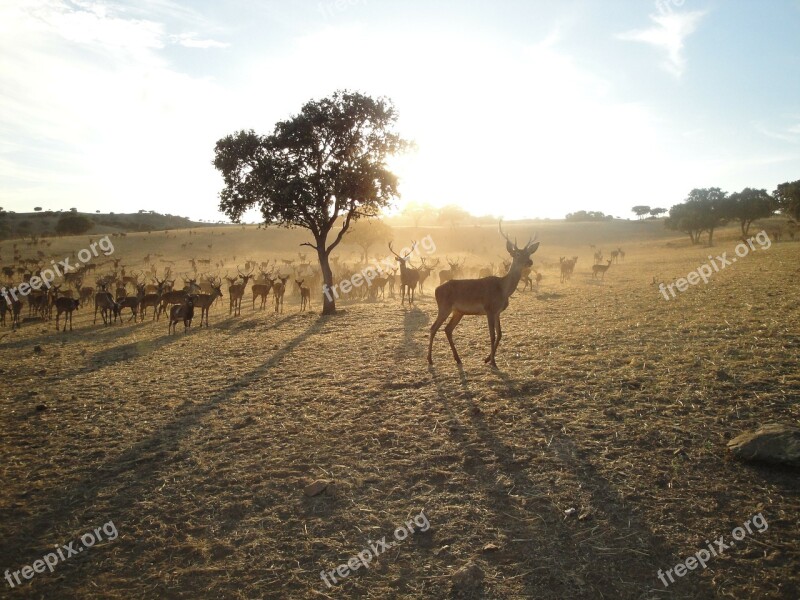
(104, 302)
(305, 295)
(278, 290)
(152, 299)
(236, 292)
(204, 301)
(134, 302)
(409, 277)
(261, 289)
(488, 296)
(182, 312)
(598, 257)
(66, 305)
(615, 256)
(600, 269)
(451, 273)
(424, 272)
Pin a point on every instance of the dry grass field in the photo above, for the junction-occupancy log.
(592, 458)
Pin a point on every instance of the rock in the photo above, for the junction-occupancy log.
(570, 512)
(316, 488)
(491, 547)
(772, 443)
(468, 578)
(38, 349)
(41, 407)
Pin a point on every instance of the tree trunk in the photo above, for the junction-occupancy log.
(328, 291)
(711, 237)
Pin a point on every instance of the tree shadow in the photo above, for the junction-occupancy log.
(141, 463)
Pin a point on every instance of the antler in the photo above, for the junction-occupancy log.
(508, 239)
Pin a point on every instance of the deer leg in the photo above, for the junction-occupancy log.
(494, 324)
(440, 318)
(448, 330)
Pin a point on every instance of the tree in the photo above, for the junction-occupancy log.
(750, 204)
(641, 210)
(37, 208)
(367, 233)
(417, 212)
(787, 196)
(591, 215)
(654, 212)
(452, 214)
(73, 224)
(324, 165)
(703, 211)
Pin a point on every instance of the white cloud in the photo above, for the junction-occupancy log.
(668, 35)
(190, 40)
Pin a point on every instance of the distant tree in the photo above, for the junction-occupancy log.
(591, 215)
(452, 214)
(97, 211)
(73, 210)
(641, 211)
(748, 205)
(37, 208)
(417, 212)
(787, 196)
(325, 164)
(73, 224)
(367, 233)
(703, 211)
(654, 212)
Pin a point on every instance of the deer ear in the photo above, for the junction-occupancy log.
(509, 247)
(533, 248)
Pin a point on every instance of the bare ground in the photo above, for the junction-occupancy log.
(609, 400)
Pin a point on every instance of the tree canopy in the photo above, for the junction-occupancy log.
(703, 211)
(787, 196)
(641, 210)
(325, 164)
(748, 205)
(72, 223)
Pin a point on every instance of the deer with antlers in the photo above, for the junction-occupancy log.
(409, 276)
(152, 298)
(446, 275)
(204, 301)
(236, 291)
(488, 296)
(305, 295)
(424, 272)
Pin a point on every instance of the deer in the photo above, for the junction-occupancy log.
(182, 312)
(104, 302)
(236, 291)
(621, 254)
(66, 305)
(447, 274)
(598, 257)
(615, 256)
(134, 302)
(486, 271)
(567, 267)
(600, 269)
(151, 298)
(261, 289)
(488, 296)
(204, 301)
(278, 290)
(305, 295)
(409, 277)
(170, 298)
(424, 272)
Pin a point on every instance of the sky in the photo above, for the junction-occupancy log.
(518, 108)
